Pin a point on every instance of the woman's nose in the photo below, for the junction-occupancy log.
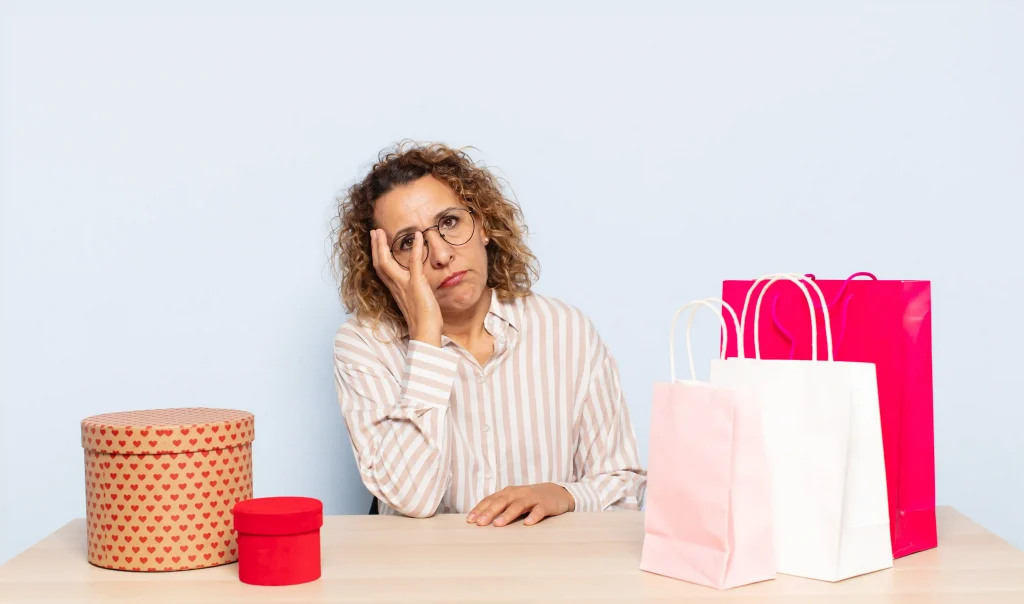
(439, 251)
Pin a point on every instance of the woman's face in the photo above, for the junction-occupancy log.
(457, 273)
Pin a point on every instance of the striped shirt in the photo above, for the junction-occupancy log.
(433, 431)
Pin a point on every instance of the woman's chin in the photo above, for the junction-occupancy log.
(460, 298)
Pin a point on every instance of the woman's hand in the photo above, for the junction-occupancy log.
(540, 500)
(410, 288)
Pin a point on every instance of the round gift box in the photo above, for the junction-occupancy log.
(160, 484)
(278, 540)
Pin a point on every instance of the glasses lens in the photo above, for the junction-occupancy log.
(456, 226)
(402, 249)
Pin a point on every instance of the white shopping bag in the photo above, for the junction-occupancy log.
(823, 436)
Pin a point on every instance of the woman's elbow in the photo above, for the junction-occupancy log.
(423, 508)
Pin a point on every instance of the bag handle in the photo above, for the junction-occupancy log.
(798, 280)
(689, 346)
(842, 321)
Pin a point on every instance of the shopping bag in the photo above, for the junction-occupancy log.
(708, 513)
(824, 442)
(887, 323)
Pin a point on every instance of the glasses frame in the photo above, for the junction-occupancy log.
(472, 217)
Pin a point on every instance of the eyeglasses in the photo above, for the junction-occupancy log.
(456, 227)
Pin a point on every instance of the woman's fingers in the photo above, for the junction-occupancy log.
(509, 504)
(378, 258)
(384, 263)
(488, 508)
(471, 517)
(505, 506)
(416, 258)
(538, 513)
(373, 250)
(497, 506)
(515, 509)
(477, 513)
(410, 288)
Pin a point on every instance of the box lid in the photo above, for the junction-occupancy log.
(155, 431)
(278, 515)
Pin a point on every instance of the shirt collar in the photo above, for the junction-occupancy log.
(508, 312)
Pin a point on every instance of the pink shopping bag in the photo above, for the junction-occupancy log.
(887, 323)
(708, 514)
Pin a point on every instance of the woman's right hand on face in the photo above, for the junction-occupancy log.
(410, 288)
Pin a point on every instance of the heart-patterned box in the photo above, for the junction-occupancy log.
(160, 486)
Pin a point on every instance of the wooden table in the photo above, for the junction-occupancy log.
(581, 557)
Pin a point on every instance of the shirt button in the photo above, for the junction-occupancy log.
(490, 476)
(480, 379)
(487, 428)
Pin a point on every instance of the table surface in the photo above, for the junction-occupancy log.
(587, 557)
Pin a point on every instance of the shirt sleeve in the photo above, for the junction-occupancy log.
(607, 469)
(398, 423)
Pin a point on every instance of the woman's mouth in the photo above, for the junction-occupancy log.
(453, 279)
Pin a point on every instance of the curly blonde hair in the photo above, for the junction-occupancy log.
(511, 266)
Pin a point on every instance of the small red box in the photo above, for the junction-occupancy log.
(278, 540)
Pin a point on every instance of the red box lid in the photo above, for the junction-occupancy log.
(278, 515)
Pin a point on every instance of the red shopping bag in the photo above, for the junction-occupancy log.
(888, 323)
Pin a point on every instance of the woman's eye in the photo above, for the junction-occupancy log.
(406, 244)
(449, 221)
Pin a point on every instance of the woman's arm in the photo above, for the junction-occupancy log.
(398, 424)
(606, 465)
(607, 469)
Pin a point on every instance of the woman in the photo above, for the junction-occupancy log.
(462, 390)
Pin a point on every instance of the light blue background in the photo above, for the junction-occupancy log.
(167, 185)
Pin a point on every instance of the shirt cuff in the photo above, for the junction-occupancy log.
(430, 373)
(585, 496)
